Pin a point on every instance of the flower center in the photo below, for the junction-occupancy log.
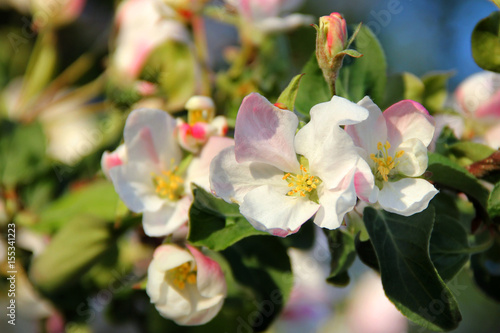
(384, 162)
(169, 185)
(302, 184)
(182, 274)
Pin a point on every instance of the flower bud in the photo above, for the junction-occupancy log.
(200, 109)
(331, 38)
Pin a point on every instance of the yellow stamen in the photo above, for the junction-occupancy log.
(385, 163)
(182, 274)
(168, 184)
(302, 183)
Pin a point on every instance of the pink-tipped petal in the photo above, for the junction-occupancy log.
(149, 134)
(407, 120)
(265, 133)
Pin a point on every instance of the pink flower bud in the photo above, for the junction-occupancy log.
(331, 38)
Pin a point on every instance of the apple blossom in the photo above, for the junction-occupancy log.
(276, 190)
(394, 144)
(264, 15)
(142, 26)
(331, 38)
(185, 285)
(201, 124)
(149, 173)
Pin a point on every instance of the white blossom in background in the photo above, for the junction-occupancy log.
(55, 12)
(142, 26)
(270, 16)
(277, 191)
(185, 285)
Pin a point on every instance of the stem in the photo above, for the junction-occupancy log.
(200, 41)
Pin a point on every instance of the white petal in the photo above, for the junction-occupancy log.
(134, 185)
(167, 219)
(282, 24)
(265, 133)
(336, 203)
(407, 196)
(328, 148)
(231, 180)
(373, 130)
(413, 163)
(149, 134)
(199, 168)
(275, 210)
(364, 182)
(339, 111)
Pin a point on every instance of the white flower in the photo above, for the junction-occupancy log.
(150, 180)
(143, 25)
(185, 285)
(394, 144)
(266, 15)
(277, 192)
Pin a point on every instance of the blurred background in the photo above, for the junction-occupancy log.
(417, 36)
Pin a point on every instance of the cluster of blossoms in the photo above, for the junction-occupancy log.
(282, 177)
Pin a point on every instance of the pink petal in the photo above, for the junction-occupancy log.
(364, 182)
(210, 279)
(491, 108)
(407, 120)
(265, 133)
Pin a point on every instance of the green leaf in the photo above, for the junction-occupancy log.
(435, 91)
(449, 247)
(445, 172)
(98, 199)
(289, 95)
(216, 224)
(262, 265)
(72, 251)
(366, 252)
(365, 76)
(403, 86)
(494, 201)
(468, 152)
(313, 89)
(486, 269)
(410, 280)
(22, 148)
(486, 43)
(173, 67)
(341, 245)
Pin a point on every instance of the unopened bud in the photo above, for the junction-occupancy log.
(331, 38)
(200, 109)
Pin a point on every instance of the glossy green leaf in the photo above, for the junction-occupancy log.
(403, 86)
(364, 76)
(79, 244)
(216, 224)
(467, 152)
(341, 245)
(447, 173)
(494, 201)
(98, 199)
(486, 269)
(366, 252)
(313, 89)
(289, 95)
(262, 265)
(22, 147)
(449, 246)
(410, 280)
(435, 91)
(486, 43)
